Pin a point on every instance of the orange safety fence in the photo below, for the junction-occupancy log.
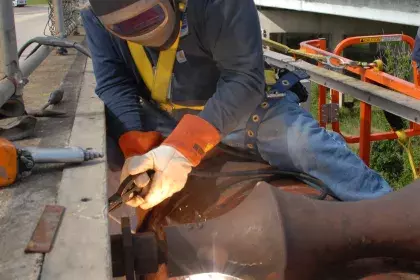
(370, 75)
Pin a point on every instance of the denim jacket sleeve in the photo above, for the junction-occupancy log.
(232, 34)
(116, 85)
(416, 50)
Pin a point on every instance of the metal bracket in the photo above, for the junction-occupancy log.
(134, 255)
(330, 113)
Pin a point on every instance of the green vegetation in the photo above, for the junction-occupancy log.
(37, 2)
(387, 157)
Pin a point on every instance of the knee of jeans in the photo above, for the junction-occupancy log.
(302, 151)
(235, 140)
(337, 137)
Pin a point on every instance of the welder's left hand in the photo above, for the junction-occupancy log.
(171, 173)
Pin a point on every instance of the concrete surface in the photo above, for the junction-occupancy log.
(402, 11)
(22, 203)
(30, 22)
(81, 249)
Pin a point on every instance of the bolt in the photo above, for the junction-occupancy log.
(92, 154)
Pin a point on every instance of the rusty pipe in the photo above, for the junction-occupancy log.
(287, 236)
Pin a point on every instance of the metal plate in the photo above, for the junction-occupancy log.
(330, 113)
(46, 230)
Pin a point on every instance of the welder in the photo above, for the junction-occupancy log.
(201, 61)
(416, 50)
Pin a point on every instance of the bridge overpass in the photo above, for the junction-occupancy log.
(337, 19)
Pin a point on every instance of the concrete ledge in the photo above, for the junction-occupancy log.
(81, 249)
(401, 12)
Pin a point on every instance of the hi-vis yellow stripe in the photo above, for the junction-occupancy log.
(142, 63)
(157, 81)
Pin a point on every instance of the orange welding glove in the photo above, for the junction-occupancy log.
(173, 160)
(135, 143)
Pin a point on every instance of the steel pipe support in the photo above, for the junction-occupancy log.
(8, 44)
(29, 65)
(277, 235)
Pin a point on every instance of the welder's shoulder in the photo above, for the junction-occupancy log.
(226, 5)
(219, 12)
(89, 18)
(416, 51)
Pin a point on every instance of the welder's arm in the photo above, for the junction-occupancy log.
(416, 50)
(233, 34)
(117, 88)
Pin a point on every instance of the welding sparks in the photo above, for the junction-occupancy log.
(211, 276)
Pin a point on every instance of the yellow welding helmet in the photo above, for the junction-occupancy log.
(151, 23)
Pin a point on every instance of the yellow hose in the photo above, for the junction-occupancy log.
(405, 142)
(318, 57)
(286, 50)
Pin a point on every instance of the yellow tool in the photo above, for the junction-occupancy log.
(17, 162)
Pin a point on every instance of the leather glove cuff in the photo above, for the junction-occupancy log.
(138, 143)
(193, 137)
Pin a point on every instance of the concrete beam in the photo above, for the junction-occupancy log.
(288, 21)
(81, 249)
(401, 12)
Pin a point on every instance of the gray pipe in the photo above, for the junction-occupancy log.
(62, 155)
(31, 63)
(8, 44)
(59, 18)
(7, 89)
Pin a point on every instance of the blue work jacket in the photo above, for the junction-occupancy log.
(222, 66)
(416, 50)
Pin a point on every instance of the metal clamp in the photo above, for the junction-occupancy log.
(330, 113)
(330, 64)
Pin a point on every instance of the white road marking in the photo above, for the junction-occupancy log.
(22, 18)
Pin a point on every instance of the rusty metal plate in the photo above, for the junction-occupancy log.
(44, 234)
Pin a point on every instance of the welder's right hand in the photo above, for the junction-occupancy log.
(171, 173)
(136, 143)
(172, 161)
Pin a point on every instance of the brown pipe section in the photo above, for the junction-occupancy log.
(320, 233)
(276, 235)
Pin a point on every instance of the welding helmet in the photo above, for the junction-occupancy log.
(151, 23)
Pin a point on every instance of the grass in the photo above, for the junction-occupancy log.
(37, 2)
